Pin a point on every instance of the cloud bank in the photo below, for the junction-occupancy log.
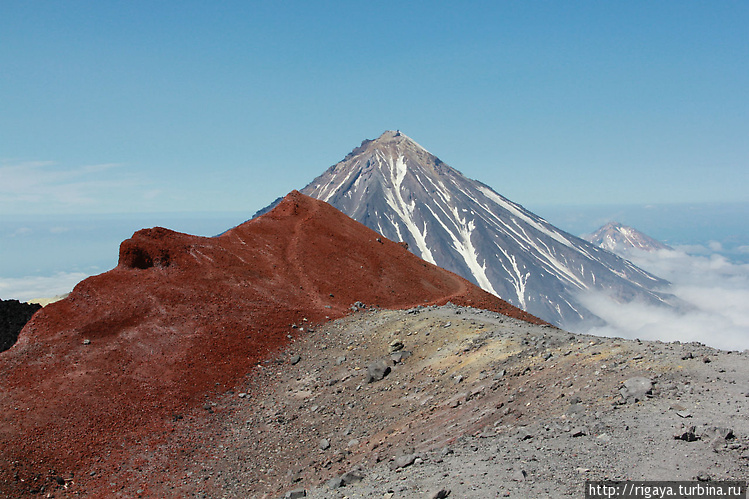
(32, 287)
(715, 289)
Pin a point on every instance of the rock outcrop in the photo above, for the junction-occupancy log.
(122, 371)
(13, 316)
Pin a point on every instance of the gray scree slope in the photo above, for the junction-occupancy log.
(399, 189)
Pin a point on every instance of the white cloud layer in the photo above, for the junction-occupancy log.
(32, 287)
(715, 289)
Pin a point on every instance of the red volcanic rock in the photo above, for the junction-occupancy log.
(99, 381)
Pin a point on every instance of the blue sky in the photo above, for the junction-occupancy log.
(125, 107)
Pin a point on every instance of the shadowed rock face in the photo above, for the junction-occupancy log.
(110, 374)
(397, 188)
(13, 316)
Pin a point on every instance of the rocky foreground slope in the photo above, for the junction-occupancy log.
(208, 367)
(103, 393)
(476, 404)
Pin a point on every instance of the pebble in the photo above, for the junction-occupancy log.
(636, 389)
(404, 461)
(334, 483)
(395, 345)
(295, 494)
(520, 475)
(439, 494)
(579, 432)
(687, 434)
(376, 371)
(353, 476)
(524, 434)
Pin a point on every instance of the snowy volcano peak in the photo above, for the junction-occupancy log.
(621, 239)
(381, 183)
(396, 187)
(389, 159)
(399, 141)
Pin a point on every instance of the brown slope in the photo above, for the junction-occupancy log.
(96, 380)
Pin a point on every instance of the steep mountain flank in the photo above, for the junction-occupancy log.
(397, 188)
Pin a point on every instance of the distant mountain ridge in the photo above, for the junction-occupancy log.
(622, 239)
(399, 189)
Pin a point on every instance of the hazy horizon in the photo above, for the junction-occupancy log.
(45, 246)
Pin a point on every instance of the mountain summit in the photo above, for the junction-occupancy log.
(622, 239)
(399, 189)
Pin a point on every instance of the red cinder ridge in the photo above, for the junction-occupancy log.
(98, 382)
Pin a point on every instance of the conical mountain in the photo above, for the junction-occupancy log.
(622, 239)
(397, 188)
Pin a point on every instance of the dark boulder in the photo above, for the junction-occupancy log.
(13, 316)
